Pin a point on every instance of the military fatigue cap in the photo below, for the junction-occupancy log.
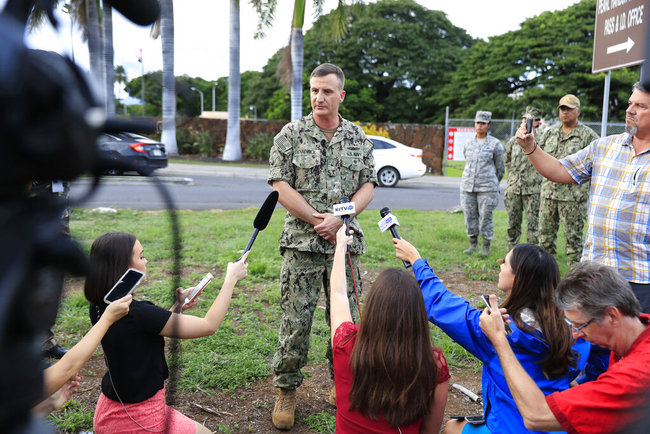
(532, 112)
(481, 116)
(570, 101)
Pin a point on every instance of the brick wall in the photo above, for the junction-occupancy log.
(429, 138)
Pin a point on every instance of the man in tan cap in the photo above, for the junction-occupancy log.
(566, 203)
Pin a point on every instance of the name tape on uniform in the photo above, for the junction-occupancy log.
(346, 208)
(387, 222)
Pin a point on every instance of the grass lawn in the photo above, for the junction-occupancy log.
(240, 352)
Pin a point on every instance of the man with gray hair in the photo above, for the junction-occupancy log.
(600, 307)
(618, 166)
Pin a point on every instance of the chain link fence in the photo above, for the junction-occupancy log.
(504, 129)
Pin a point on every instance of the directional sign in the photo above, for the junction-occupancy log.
(619, 36)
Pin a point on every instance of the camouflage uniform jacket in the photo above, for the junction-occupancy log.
(484, 166)
(522, 176)
(554, 144)
(322, 173)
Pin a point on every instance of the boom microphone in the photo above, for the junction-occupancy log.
(389, 221)
(262, 219)
(140, 12)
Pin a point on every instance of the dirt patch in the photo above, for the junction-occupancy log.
(248, 409)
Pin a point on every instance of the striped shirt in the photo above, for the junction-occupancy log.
(618, 231)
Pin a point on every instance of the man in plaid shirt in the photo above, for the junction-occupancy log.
(618, 166)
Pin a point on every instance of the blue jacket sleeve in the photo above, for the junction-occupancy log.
(453, 314)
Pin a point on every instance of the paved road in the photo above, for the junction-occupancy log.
(200, 187)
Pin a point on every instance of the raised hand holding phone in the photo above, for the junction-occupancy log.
(198, 289)
(486, 299)
(124, 286)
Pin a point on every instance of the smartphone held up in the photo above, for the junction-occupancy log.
(486, 299)
(124, 286)
(529, 124)
(198, 288)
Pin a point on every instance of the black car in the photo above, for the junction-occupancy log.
(145, 153)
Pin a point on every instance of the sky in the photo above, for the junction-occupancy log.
(201, 33)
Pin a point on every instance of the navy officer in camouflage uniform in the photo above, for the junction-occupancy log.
(522, 190)
(315, 161)
(479, 187)
(566, 203)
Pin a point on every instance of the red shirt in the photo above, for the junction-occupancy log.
(617, 399)
(351, 421)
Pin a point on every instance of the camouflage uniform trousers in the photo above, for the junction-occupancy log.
(572, 215)
(516, 205)
(477, 209)
(303, 276)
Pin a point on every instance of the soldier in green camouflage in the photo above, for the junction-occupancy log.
(315, 161)
(565, 203)
(522, 190)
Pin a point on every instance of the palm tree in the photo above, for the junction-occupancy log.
(232, 148)
(94, 45)
(169, 80)
(109, 83)
(121, 78)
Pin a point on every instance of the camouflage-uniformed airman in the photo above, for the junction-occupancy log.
(522, 190)
(315, 161)
(565, 203)
(479, 188)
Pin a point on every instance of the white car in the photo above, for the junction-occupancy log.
(395, 161)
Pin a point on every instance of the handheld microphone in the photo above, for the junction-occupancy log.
(389, 221)
(345, 209)
(262, 218)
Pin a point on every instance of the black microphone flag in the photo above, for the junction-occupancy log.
(262, 219)
(389, 220)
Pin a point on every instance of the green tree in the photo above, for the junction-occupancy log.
(152, 92)
(258, 88)
(397, 52)
(548, 57)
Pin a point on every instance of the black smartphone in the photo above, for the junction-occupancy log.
(471, 419)
(486, 299)
(529, 125)
(124, 285)
(475, 420)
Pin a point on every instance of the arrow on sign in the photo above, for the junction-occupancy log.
(627, 46)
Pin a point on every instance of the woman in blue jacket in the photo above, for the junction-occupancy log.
(529, 276)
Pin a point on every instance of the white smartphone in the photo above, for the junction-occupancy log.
(124, 285)
(486, 299)
(202, 284)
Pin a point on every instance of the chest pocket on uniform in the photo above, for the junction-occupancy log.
(306, 158)
(351, 161)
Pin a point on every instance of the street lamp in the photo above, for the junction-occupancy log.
(213, 106)
(254, 108)
(201, 93)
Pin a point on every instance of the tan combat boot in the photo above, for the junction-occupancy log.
(285, 407)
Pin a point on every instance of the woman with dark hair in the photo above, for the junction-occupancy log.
(386, 374)
(133, 389)
(540, 337)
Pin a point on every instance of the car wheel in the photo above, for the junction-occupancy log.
(388, 176)
(114, 172)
